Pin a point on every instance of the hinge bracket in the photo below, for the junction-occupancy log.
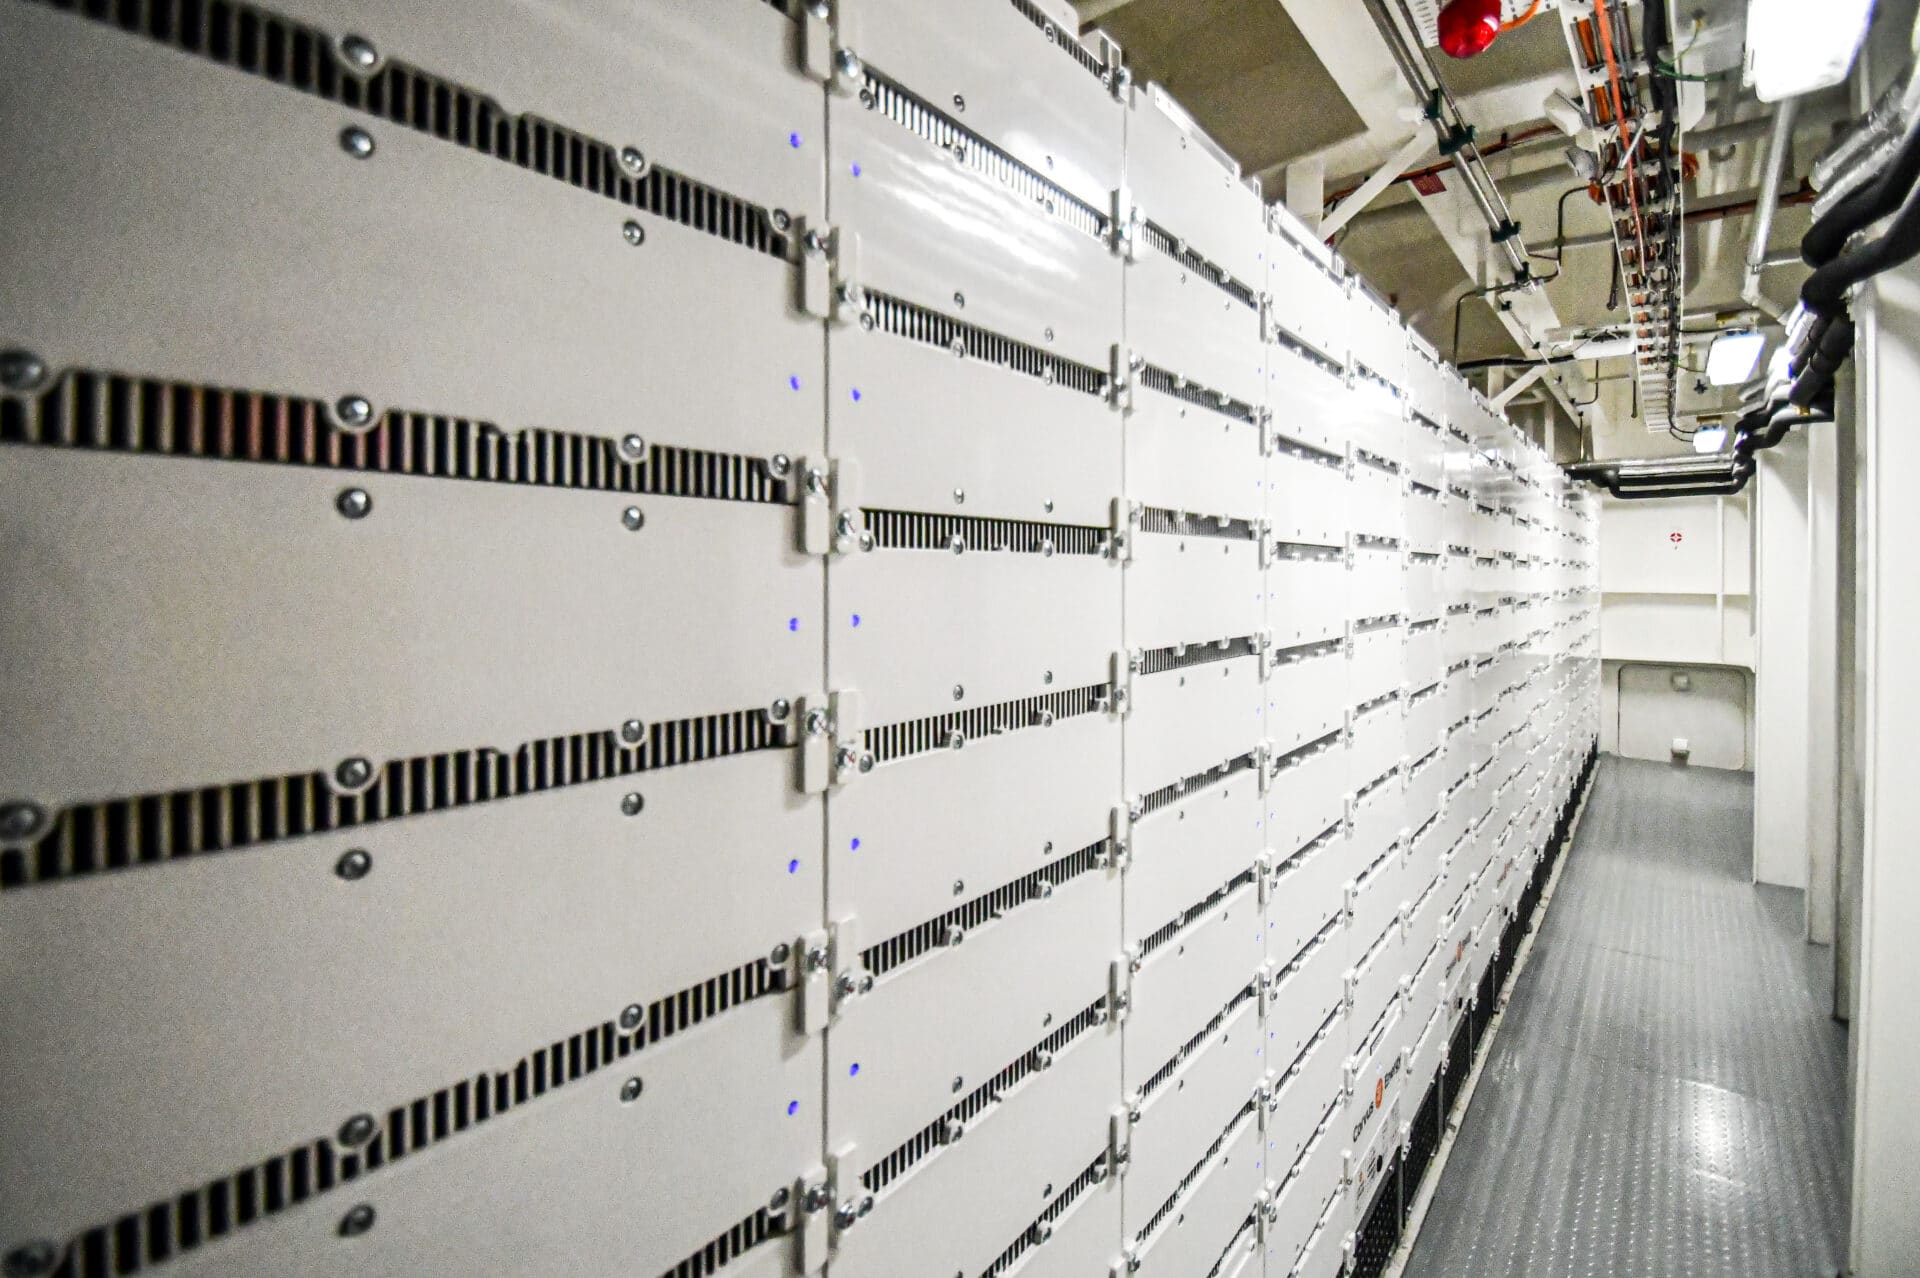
(814, 755)
(1120, 983)
(1119, 849)
(813, 1207)
(1119, 545)
(1120, 378)
(1124, 232)
(815, 968)
(851, 758)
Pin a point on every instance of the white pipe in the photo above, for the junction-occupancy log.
(1763, 215)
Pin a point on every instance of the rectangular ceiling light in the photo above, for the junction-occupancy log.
(1794, 47)
(1733, 357)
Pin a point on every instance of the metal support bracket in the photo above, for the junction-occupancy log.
(1119, 1140)
(815, 965)
(814, 755)
(1120, 982)
(1119, 695)
(851, 759)
(850, 980)
(1119, 850)
(1119, 545)
(1125, 233)
(1120, 371)
(813, 1202)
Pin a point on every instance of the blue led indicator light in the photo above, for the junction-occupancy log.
(793, 1107)
(793, 866)
(853, 1070)
(793, 383)
(793, 623)
(793, 140)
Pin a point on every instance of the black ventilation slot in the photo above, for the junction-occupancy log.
(1180, 523)
(1186, 786)
(1178, 249)
(1214, 401)
(953, 927)
(156, 828)
(115, 413)
(742, 1237)
(1391, 774)
(1064, 42)
(1167, 931)
(952, 731)
(1295, 758)
(918, 323)
(1192, 1045)
(1308, 651)
(1305, 349)
(209, 1212)
(1034, 1234)
(981, 1099)
(980, 156)
(1186, 1182)
(956, 534)
(1185, 655)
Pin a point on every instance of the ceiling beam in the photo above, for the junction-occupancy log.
(1411, 152)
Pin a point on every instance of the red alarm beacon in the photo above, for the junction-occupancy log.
(1467, 27)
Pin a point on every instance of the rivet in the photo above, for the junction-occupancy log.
(782, 219)
(634, 233)
(959, 103)
(631, 1015)
(356, 141)
(357, 1130)
(781, 953)
(633, 160)
(353, 772)
(781, 1197)
(634, 518)
(353, 864)
(632, 802)
(357, 1221)
(353, 410)
(630, 1091)
(959, 692)
(958, 1082)
(960, 299)
(354, 503)
(780, 465)
(20, 371)
(359, 52)
(959, 886)
(30, 1260)
(848, 63)
(780, 709)
(632, 730)
(20, 821)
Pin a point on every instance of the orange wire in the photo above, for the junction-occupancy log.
(1523, 19)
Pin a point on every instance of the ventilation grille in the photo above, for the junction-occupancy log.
(143, 415)
(1160, 380)
(917, 323)
(1309, 552)
(980, 156)
(1305, 349)
(1325, 936)
(1308, 651)
(980, 1099)
(1186, 1181)
(911, 530)
(742, 1237)
(302, 58)
(938, 933)
(1192, 1045)
(1182, 656)
(156, 828)
(1176, 248)
(1095, 1172)
(1064, 42)
(1168, 794)
(1157, 519)
(1313, 1044)
(1308, 752)
(209, 1212)
(1194, 912)
(953, 730)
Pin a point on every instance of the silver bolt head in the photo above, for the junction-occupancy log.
(20, 821)
(631, 1015)
(354, 503)
(634, 518)
(959, 886)
(846, 524)
(357, 1221)
(359, 52)
(780, 465)
(356, 141)
(634, 233)
(354, 864)
(781, 953)
(630, 1091)
(357, 1130)
(354, 410)
(633, 447)
(866, 541)
(816, 481)
(848, 63)
(353, 772)
(633, 160)
(957, 544)
(632, 730)
(816, 723)
(866, 761)
(21, 371)
(959, 692)
(780, 709)
(959, 496)
(632, 802)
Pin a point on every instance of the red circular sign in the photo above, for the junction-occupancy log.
(1674, 537)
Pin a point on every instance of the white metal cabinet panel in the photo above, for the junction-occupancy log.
(1037, 1135)
(1306, 400)
(1182, 185)
(603, 67)
(1181, 852)
(522, 287)
(1379, 340)
(1325, 1252)
(397, 618)
(1377, 582)
(1191, 1106)
(1374, 941)
(1309, 498)
(987, 814)
(560, 1174)
(1379, 501)
(1182, 456)
(1423, 1054)
(1193, 587)
(1011, 982)
(1426, 718)
(1307, 985)
(1183, 323)
(1424, 657)
(1309, 305)
(1426, 593)
(1376, 1070)
(1422, 799)
(1378, 666)
(1187, 720)
(1307, 694)
(1377, 745)
(1201, 966)
(1368, 1170)
(936, 220)
(1023, 86)
(922, 425)
(1427, 458)
(1303, 889)
(936, 632)
(1306, 594)
(1306, 794)
(1084, 1237)
(1209, 1214)
(458, 898)
(1306, 1209)
(1309, 1085)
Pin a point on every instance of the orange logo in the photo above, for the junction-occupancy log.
(1379, 1092)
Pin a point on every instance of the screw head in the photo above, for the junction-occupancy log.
(353, 773)
(959, 886)
(633, 160)
(354, 864)
(959, 299)
(957, 544)
(359, 52)
(634, 518)
(356, 141)
(631, 1015)
(780, 954)
(354, 503)
(357, 1221)
(959, 692)
(848, 63)
(816, 723)
(780, 709)
(816, 481)
(20, 371)
(630, 1091)
(867, 541)
(30, 1260)
(959, 103)
(781, 465)
(782, 219)
(959, 496)
(958, 1082)
(632, 730)
(357, 1130)
(353, 410)
(634, 233)
(20, 821)
(632, 802)
(781, 1197)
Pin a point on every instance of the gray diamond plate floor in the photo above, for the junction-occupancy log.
(1666, 1093)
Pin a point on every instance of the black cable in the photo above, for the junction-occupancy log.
(1866, 204)
(1825, 291)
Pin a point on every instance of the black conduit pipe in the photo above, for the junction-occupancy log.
(1867, 203)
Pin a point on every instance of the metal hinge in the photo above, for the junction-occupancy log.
(851, 758)
(813, 960)
(1124, 233)
(1120, 983)
(1118, 697)
(850, 979)
(1119, 849)
(830, 273)
(1119, 545)
(858, 1203)
(831, 521)
(1264, 752)
(1120, 369)
(813, 1201)
(1269, 438)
